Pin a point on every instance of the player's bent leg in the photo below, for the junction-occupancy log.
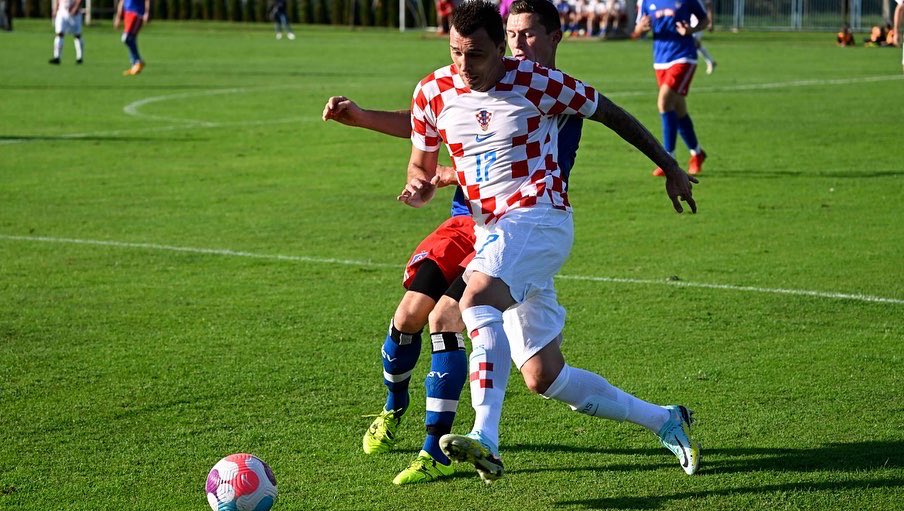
(541, 370)
(482, 304)
(400, 352)
(591, 394)
(669, 118)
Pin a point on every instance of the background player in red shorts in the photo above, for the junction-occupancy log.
(675, 60)
(134, 14)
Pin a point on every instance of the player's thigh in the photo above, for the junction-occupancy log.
(448, 246)
(413, 311)
(524, 249)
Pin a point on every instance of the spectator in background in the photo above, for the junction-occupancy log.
(67, 18)
(281, 19)
(845, 37)
(877, 37)
(6, 15)
(444, 10)
(612, 17)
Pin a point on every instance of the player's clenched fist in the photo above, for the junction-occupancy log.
(418, 191)
(341, 109)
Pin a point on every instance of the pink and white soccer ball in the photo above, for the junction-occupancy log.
(241, 482)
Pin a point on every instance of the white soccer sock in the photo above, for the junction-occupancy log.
(591, 394)
(79, 48)
(490, 364)
(706, 55)
(57, 46)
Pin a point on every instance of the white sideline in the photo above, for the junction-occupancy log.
(372, 264)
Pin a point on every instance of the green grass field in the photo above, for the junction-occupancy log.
(192, 264)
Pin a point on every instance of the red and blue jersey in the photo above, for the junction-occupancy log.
(136, 6)
(670, 47)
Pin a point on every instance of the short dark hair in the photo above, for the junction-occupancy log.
(549, 15)
(472, 15)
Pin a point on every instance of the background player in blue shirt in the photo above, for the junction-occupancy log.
(134, 14)
(675, 60)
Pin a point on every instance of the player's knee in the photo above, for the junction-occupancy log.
(539, 379)
(409, 319)
(446, 317)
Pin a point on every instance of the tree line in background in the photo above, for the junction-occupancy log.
(368, 13)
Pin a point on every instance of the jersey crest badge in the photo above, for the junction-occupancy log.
(483, 119)
(417, 257)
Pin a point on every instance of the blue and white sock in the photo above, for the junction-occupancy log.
(400, 352)
(444, 383)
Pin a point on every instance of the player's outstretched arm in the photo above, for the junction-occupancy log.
(345, 111)
(422, 178)
(677, 181)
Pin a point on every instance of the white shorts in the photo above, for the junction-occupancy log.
(525, 249)
(531, 325)
(66, 23)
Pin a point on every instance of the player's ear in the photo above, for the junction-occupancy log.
(556, 37)
(500, 49)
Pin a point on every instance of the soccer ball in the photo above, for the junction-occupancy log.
(241, 482)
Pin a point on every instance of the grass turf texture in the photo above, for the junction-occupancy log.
(126, 372)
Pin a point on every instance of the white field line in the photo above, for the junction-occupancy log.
(372, 264)
(133, 109)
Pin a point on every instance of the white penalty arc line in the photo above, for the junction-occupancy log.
(372, 264)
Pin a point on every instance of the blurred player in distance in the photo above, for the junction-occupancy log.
(280, 18)
(698, 37)
(505, 157)
(67, 19)
(899, 27)
(674, 60)
(133, 14)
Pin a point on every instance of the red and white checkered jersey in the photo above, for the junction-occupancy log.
(503, 142)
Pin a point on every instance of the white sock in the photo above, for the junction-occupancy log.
(490, 364)
(706, 55)
(591, 394)
(57, 46)
(79, 48)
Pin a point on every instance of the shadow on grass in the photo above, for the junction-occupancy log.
(839, 457)
(658, 502)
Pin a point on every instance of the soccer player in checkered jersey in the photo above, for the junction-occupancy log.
(533, 33)
(497, 117)
(67, 19)
(675, 60)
